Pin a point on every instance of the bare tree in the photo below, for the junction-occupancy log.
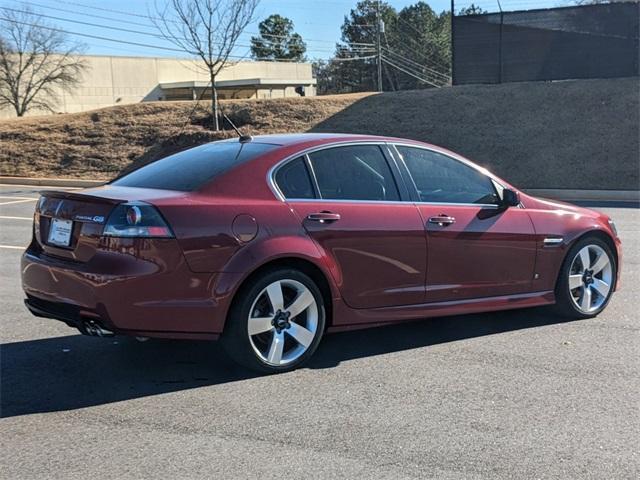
(207, 29)
(36, 61)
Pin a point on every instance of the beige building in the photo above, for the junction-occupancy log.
(114, 80)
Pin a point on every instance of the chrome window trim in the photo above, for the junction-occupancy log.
(403, 202)
(312, 176)
(454, 204)
(391, 147)
(346, 143)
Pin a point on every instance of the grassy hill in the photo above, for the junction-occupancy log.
(569, 134)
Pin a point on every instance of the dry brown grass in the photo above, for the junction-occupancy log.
(100, 143)
(569, 134)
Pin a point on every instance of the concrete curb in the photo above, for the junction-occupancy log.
(51, 182)
(570, 195)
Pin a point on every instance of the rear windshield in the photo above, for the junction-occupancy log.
(190, 169)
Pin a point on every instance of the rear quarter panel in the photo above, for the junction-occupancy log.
(221, 234)
(233, 239)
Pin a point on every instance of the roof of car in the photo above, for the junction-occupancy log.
(291, 139)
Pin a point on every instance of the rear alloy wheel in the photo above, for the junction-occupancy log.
(277, 323)
(587, 279)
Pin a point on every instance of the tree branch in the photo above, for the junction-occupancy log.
(35, 61)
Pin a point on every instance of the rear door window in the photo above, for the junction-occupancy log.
(191, 169)
(294, 181)
(354, 172)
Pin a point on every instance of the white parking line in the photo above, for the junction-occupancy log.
(18, 201)
(4, 217)
(12, 247)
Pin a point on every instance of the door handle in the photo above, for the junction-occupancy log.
(323, 217)
(442, 220)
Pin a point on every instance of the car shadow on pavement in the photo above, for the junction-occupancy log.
(70, 372)
(423, 333)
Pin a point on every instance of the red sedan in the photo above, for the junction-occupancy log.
(268, 242)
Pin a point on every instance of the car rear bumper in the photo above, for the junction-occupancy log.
(136, 287)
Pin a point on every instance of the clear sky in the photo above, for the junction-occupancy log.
(317, 21)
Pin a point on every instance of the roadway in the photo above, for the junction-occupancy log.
(503, 395)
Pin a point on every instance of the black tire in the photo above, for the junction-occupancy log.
(235, 339)
(565, 305)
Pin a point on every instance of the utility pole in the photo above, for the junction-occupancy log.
(500, 68)
(453, 45)
(379, 45)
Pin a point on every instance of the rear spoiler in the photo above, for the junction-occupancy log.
(80, 196)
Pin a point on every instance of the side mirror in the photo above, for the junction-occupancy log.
(510, 198)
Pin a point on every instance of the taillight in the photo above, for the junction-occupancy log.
(36, 217)
(40, 203)
(136, 219)
(36, 225)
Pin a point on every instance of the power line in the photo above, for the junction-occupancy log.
(123, 12)
(424, 56)
(421, 73)
(126, 42)
(410, 26)
(128, 30)
(103, 9)
(145, 45)
(148, 25)
(410, 69)
(419, 65)
(435, 71)
(338, 59)
(358, 46)
(97, 37)
(306, 40)
(346, 3)
(412, 74)
(418, 32)
(66, 10)
(416, 64)
(80, 22)
(412, 65)
(354, 47)
(438, 81)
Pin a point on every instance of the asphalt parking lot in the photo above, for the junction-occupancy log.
(504, 395)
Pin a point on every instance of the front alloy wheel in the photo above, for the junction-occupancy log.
(587, 279)
(590, 278)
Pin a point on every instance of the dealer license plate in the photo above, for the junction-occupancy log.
(60, 232)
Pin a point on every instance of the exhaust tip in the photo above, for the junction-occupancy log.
(93, 329)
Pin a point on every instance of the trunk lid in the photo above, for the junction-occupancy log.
(70, 224)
